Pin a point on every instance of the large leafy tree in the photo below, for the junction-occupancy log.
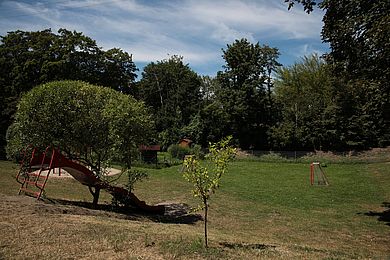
(28, 59)
(172, 91)
(89, 123)
(213, 117)
(304, 94)
(358, 32)
(245, 91)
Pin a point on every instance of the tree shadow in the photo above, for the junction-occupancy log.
(247, 246)
(382, 216)
(175, 213)
(178, 213)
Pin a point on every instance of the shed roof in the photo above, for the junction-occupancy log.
(150, 147)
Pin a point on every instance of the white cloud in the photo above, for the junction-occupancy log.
(256, 16)
(196, 29)
(308, 49)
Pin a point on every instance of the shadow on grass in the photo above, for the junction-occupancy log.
(382, 216)
(247, 246)
(175, 213)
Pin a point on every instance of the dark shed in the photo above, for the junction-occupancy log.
(149, 153)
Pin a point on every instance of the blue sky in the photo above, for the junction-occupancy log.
(195, 29)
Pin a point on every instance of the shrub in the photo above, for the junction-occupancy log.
(178, 152)
(198, 151)
(273, 157)
(134, 176)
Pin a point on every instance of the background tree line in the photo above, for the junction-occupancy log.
(339, 101)
(358, 33)
(28, 59)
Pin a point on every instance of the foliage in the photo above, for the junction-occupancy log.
(178, 151)
(245, 92)
(304, 94)
(308, 5)
(89, 123)
(194, 128)
(272, 157)
(28, 59)
(360, 52)
(198, 151)
(210, 123)
(358, 33)
(360, 45)
(206, 181)
(172, 91)
(134, 176)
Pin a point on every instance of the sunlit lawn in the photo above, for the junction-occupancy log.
(272, 204)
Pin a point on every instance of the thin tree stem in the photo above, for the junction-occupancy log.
(205, 222)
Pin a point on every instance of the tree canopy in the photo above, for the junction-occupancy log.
(172, 91)
(304, 96)
(358, 33)
(340, 101)
(89, 123)
(245, 91)
(28, 59)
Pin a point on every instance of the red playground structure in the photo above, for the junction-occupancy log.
(35, 170)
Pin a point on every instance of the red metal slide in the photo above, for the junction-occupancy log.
(79, 172)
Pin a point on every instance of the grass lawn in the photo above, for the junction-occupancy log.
(262, 210)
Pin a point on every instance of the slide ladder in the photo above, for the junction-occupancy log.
(24, 166)
(33, 177)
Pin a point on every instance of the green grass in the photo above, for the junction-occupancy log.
(262, 203)
(258, 197)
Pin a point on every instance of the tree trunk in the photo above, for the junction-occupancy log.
(95, 193)
(205, 223)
